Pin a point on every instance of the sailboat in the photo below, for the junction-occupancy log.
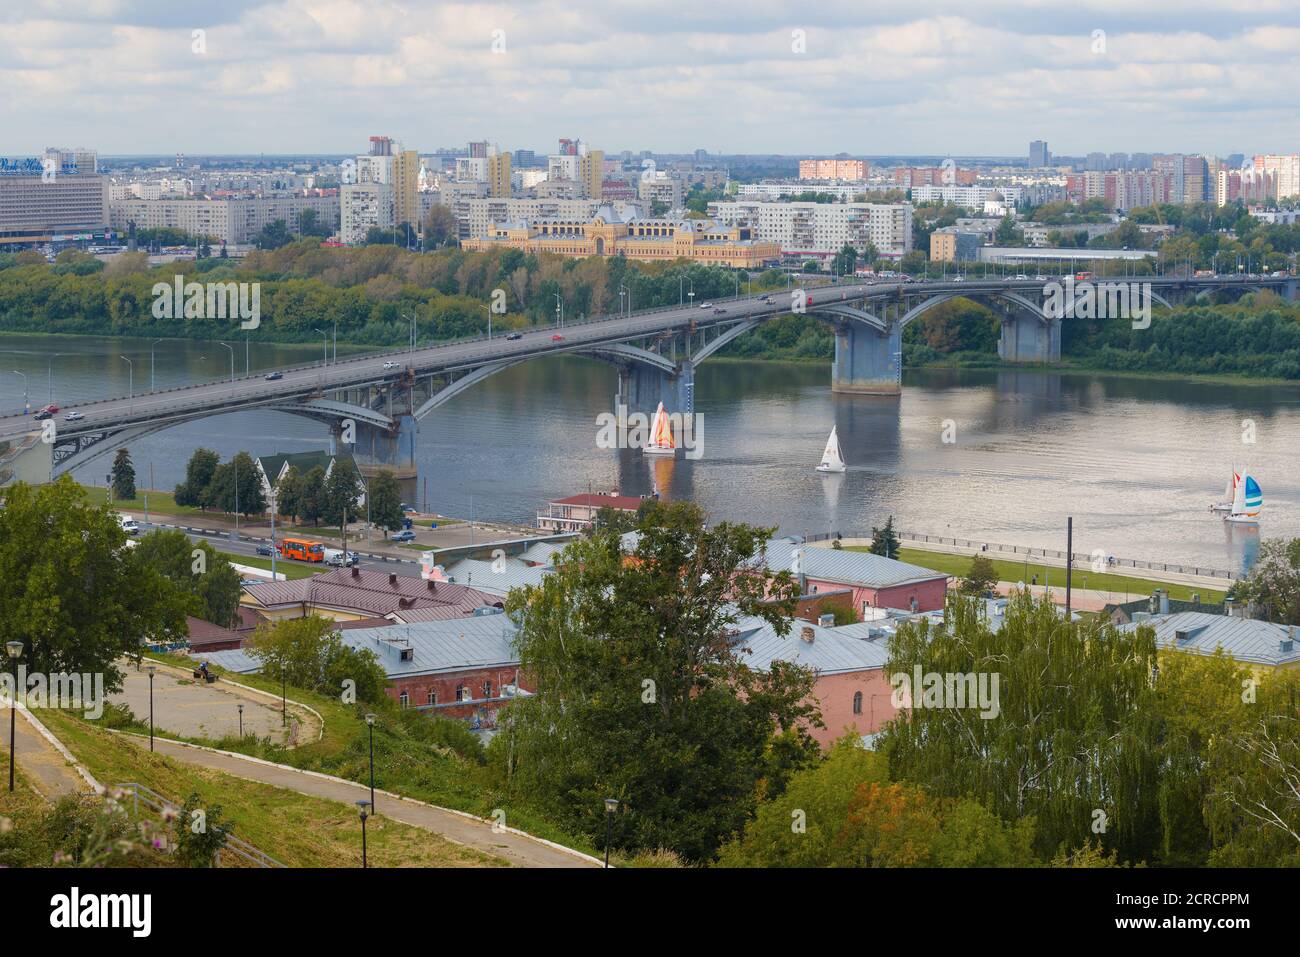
(661, 435)
(832, 458)
(1229, 491)
(1247, 500)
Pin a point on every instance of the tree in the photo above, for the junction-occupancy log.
(311, 501)
(845, 261)
(289, 492)
(123, 476)
(199, 839)
(71, 591)
(198, 477)
(641, 690)
(273, 236)
(884, 541)
(309, 653)
(197, 569)
(237, 486)
(343, 490)
(1069, 734)
(981, 577)
(439, 225)
(386, 502)
(1273, 585)
(309, 224)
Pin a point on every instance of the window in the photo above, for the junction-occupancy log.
(403, 699)
(433, 697)
(857, 702)
(462, 693)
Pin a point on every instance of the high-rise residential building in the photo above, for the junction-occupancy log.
(498, 173)
(562, 166)
(1038, 154)
(1284, 170)
(365, 206)
(660, 187)
(53, 197)
(568, 147)
(381, 146)
(231, 220)
(525, 158)
(591, 172)
(854, 170)
(971, 197)
(823, 229)
(478, 149)
(1095, 162)
(1118, 161)
(406, 186)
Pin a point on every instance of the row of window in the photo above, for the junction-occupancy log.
(462, 694)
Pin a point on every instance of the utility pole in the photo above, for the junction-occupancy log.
(1069, 562)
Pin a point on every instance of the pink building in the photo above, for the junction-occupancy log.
(872, 580)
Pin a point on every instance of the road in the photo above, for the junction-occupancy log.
(297, 384)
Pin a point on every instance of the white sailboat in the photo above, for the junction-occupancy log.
(661, 435)
(1247, 500)
(1229, 492)
(832, 458)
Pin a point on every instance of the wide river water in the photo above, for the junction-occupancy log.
(1135, 461)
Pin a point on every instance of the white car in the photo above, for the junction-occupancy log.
(390, 364)
(1021, 276)
(73, 417)
(706, 305)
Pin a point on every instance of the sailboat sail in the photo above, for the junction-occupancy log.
(1229, 492)
(1247, 499)
(661, 434)
(832, 458)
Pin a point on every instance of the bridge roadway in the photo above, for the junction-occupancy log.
(306, 384)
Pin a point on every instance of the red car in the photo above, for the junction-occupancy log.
(557, 338)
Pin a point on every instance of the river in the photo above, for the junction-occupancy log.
(1136, 461)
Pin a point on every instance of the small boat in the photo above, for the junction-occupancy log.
(832, 458)
(1229, 490)
(661, 435)
(1247, 500)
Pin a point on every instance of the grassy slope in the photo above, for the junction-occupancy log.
(1083, 578)
(295, 829)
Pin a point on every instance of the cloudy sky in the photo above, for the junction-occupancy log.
(858, 76)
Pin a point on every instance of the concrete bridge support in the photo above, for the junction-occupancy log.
(641, 388)
(868, 361)
(1028, 338)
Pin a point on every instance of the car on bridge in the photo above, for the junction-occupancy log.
(273, 376)
(390, 364)
(47, 412)
(73, 417)
(515, 335)
(557, 338)
(706, 305)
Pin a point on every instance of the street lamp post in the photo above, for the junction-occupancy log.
(559, 310)
(325, 343)
(241, 720)
(130, 381)
(361, 807)
(152, 385)
(27, 405)
(151, 669)
(15, 649)
(370, 723)
(232, 362)
(488, 307)
(611, 805)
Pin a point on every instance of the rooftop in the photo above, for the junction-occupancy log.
(846, 567)
(1246, 640)
(371, 593)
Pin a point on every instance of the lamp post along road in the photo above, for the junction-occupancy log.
(151, 669)
(15, 650)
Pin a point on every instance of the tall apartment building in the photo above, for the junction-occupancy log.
(822, 229)
(591, 172)
(1284, 171)
(1189, 179)
(972, 197)
(1038, 154)
(227, 219)
(855, 170)
(498, 173)
(365, 206)
(406, 187)
(59, 195)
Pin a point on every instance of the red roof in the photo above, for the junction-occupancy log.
(374, 594)
(628, 503)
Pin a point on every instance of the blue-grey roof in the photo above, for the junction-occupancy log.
(540, 552)
(846, 567)
(482, 577)
(436, 646)
(236, 660)
(830, 651)
(1244, 639)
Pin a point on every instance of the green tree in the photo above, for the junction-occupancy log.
(200, 835)
(311, 501)
(310, 654)
(439, 225)
(343, 490)
(309, 224)
(198, 477)
(884, 541)
(845, 261)
(289, 492)
(123, 476)
(237, 486)
(981, 577)
(273, 236)
(640, 695)
(1273, 585)
(71, 590)
(197, 568)
(386, 502)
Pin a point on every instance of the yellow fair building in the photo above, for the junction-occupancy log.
(648, 240)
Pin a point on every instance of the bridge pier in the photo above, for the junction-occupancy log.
(868, 361)
(1027, 338)
(378, 449)
(641, 388)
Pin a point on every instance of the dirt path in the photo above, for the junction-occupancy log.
(45, 766)
(518, 848)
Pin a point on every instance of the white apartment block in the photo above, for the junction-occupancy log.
(972, 197)
(1284, 170)
(234, 220)
(363, 206)
(823, 229)
(775, 191)
(659, 186)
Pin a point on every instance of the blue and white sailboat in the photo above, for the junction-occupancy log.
(1247, 500)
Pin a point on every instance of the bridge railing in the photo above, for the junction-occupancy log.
(1082, 560)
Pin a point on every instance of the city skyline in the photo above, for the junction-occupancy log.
(938, 78)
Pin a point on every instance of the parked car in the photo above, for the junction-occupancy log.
(272, 376)
(515, 335)
(406, 536)
(390, 364)
(73, 417)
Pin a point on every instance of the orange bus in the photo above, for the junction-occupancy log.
(303, 549)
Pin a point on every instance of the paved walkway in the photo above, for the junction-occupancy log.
(48, 771)
(185, 706)
(514, 846)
